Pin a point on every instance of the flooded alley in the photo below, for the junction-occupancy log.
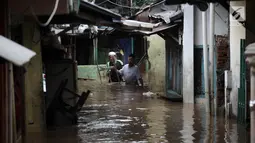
(116, 113)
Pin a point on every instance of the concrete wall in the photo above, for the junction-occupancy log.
(188, 54)
(156, 73)
(90, 72)
(237, 32)
(34, 98)
(221, 28)
(221, 23)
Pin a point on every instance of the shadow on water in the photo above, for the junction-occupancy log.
(116, 113)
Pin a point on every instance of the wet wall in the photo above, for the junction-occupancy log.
(34, 98)
(156, 73)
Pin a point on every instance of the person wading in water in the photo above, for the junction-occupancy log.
(113, 65)
(131, 72)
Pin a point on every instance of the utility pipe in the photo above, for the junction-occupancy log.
(95, 44)
(10, 103)
(205, 51)
(250, 58)
(132, 45)
(252, 98)
(211, 56)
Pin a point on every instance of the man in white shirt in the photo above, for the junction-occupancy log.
(131, 72)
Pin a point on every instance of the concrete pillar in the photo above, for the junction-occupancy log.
(34, 98)
(237, 32)
(188, 54)
(250, 53)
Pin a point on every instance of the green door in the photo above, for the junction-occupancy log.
(242, 112)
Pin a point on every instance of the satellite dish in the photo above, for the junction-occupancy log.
(14, 52)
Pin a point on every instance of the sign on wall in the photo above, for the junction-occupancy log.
(237, 15)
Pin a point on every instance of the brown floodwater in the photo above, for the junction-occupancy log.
(117, 113)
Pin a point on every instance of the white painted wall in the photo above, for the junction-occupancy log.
(221, 23)
(188, 54)
(221, 28)
(192, 35)
(237, 32)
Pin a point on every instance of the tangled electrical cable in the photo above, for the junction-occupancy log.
(50, 18)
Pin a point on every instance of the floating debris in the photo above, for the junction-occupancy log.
(149, 94)
(143, 125)
(143, 109)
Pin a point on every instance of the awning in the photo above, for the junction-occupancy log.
(155, 30)
(98, 10)
(89, 13)
(138, 25)
(159, 12)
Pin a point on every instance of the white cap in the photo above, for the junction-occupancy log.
(112, 54)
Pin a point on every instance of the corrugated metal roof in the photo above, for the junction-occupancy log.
(155, 30)
(159, 11)
(99, 9)
(139, 24)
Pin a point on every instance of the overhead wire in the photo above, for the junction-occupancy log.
(50, 18)
(102, 2)
(121, 5)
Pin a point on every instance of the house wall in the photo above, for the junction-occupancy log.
(237, 32)
(188, 54)
(156, 73)
(34, 98)
(221, 23)
(221, 28)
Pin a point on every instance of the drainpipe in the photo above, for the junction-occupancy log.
(95, 45)
(205, 50)
(10, 100)
(252, 114)
(94, 51)
(250, 54)
(211, 51)
(132, 45)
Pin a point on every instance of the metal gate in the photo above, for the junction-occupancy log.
(242, 104)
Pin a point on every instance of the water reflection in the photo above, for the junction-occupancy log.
(115, 113)
(188, 122)
(156, 119)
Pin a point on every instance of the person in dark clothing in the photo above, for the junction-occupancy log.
(113, 65)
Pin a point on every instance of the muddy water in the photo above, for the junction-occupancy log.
(115, 113)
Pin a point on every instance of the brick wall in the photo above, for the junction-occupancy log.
(223, 60)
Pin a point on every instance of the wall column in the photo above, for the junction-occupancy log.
(34, 98)
(237, 32)
(250, 53)
(188, 54)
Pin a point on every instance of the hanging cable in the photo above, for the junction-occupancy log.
(50, 18)
(122, 5)
(102, 2)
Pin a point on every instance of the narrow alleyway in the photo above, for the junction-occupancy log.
(115, 113)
